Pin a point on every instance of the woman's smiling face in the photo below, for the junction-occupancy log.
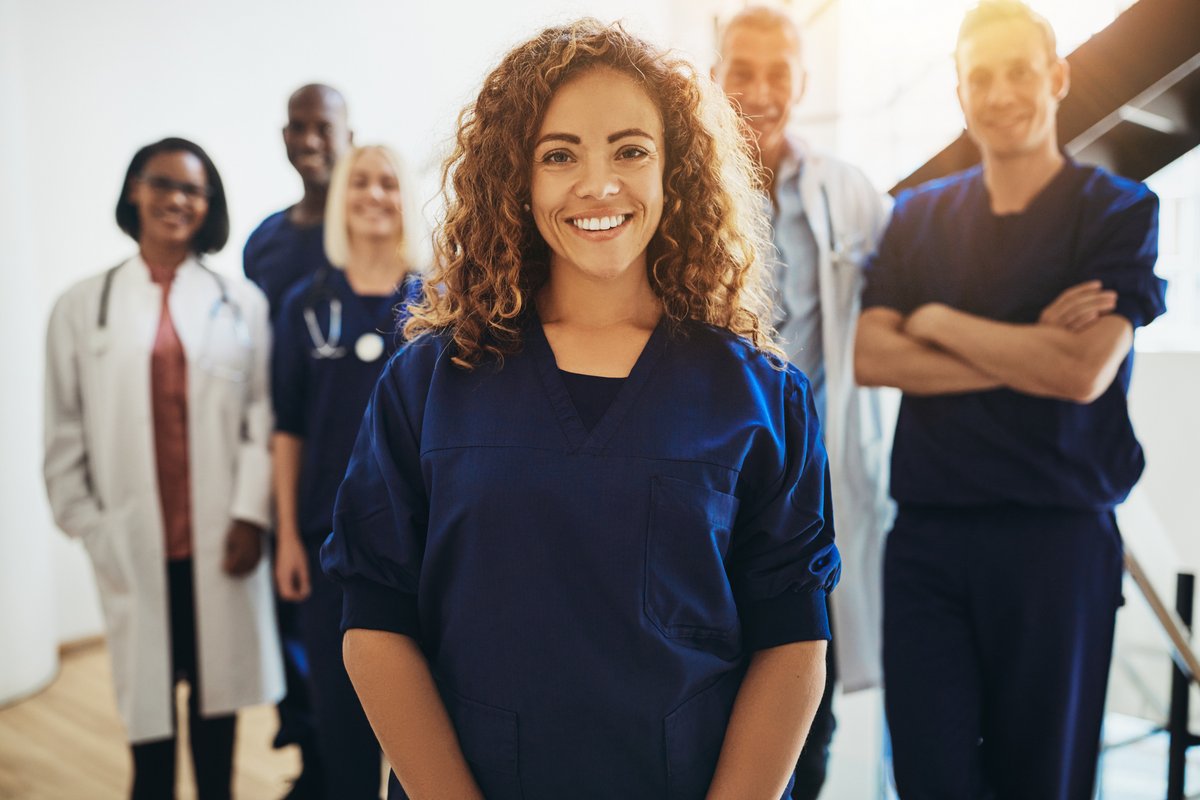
(597, 183)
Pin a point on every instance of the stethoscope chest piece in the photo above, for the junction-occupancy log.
(369, 347)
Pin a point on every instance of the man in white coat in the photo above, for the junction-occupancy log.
(826, 218)
(156, 428)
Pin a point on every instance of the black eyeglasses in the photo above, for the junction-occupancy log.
(164, 185)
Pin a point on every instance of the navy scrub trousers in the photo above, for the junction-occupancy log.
(1004, 616)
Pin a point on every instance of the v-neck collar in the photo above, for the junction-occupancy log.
(386, 307)
(579, 439)
(1050, 194)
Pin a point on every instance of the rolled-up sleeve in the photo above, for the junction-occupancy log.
(783, 562)
(381, 514)
(1121, 254)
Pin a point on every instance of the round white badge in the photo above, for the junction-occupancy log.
(369, 347)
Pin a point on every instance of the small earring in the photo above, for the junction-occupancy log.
(526, 206)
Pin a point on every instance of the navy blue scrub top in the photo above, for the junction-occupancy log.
(945, 245)
(321, 400)
(279, 254)
(588, 601)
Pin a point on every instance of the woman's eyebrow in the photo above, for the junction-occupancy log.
(570, 138)
(628, 132)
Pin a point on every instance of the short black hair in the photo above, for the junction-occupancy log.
(214, 232)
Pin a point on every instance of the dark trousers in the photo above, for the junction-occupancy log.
(212, 738)
(998, 633)
(295, 708)
(813, 765)
(350, 755)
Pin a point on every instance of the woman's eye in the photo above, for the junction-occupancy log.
(556, 157)
(632, 152)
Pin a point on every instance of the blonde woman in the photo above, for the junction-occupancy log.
(584, 536)
(333, 335)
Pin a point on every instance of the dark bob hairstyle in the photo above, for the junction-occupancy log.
(214, 233)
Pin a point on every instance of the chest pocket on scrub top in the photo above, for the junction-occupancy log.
(688, 595)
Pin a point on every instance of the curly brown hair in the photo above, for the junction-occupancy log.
(705, 262)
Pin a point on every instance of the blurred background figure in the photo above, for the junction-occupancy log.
(156, 426)
(333, 335)
(825, 219)
(287, 247)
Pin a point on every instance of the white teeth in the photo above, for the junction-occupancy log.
(598, 223)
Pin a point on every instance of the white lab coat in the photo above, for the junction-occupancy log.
(859, 422)
(101, 475)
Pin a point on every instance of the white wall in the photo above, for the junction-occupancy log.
(27, 640)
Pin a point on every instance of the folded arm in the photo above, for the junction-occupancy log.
(885, 354)
(1039, 359)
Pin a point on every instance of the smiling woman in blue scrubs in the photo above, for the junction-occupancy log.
(333, 335)
(584, 536)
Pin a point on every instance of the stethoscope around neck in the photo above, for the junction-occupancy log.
(368, 347)
(208, 359)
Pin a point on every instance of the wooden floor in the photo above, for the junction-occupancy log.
(68, 742)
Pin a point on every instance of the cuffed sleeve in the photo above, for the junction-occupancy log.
(783, 560)
(381, 513)
(1121, 253)
(379, 608)
(795, 616)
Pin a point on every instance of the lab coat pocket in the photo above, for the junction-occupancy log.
(687, 594)
(105, 552)
(227, 350)
(694, 733)
(488, 738)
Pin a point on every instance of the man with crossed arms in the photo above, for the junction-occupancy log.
(1002, 302)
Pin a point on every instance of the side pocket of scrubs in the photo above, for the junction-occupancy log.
(687, 591)
(488, 738)
(694, 733)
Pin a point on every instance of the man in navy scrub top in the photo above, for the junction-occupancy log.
(285, 248)
(1002, 302)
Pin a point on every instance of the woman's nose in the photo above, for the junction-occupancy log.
(598, 179)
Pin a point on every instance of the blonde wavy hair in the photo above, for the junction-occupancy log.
(705, 262)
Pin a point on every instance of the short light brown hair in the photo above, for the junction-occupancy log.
(989, 12)
(760, 18)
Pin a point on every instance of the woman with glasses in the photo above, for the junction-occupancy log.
(584, 536)
(333, 334)
(156, 426)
